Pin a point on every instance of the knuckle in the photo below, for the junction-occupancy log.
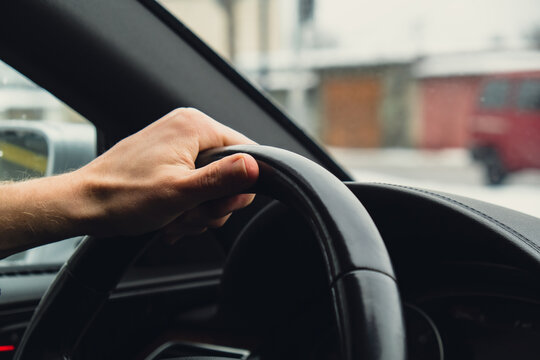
(211, 178)
(188, 113)
(191, 111)
(176, 115)
(176, 111)
(184, 121)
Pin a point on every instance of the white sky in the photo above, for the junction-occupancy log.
(382, 27)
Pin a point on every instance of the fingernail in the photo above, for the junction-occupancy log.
(239, 165)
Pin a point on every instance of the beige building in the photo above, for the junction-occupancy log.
(234, 27)
(263, 39)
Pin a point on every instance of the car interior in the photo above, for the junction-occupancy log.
(318, 267)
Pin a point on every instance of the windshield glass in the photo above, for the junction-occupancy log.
(434, 94)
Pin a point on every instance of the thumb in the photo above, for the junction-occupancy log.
(228, 176)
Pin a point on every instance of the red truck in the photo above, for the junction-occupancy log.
(505, 130)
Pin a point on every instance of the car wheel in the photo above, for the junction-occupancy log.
(496, 172)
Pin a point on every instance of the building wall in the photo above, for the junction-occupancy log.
(248, 29)
(209, 20)
(206, 18)
(351, 110)
(397, 106)
(366, 106)
(447, 105)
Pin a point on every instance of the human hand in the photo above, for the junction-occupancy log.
(148, 181)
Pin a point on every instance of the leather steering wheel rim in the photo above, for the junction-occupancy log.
(360, 277)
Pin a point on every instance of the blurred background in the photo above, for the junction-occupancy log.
(437, 94)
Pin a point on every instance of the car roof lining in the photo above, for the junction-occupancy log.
(120, 59)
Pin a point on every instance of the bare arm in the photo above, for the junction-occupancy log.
(147, 181)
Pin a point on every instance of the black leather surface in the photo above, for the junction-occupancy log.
(198, 358)
(421, 226)
(59, 321)
(347, 237)
(79, 291)
(522, 228)
(370, 315)
(349, 242)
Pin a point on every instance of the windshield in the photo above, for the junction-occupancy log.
(440, 95)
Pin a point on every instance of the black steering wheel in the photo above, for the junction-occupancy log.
(360, 278)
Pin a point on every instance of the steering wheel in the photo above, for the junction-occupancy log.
(359, 275)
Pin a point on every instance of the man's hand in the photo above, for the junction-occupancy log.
(147, 181)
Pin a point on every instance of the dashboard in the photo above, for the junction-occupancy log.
(470, 291)
(468, 273)
(480, 311)
(474, 327)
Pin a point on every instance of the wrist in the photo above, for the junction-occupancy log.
(79, 207)
(40, 211)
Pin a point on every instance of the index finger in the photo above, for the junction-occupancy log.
(214, 134)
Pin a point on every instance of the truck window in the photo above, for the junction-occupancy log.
(495, 94)
(529, 95)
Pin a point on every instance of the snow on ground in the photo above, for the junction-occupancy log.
(450, 171)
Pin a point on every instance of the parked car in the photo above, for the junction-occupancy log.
(332, 269)
(506, 125)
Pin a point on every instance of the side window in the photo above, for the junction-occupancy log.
(529, 95)
(39, 136)
(495, 94)
(23, 154)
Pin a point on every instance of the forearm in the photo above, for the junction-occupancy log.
(157, 188)
(39, 211)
